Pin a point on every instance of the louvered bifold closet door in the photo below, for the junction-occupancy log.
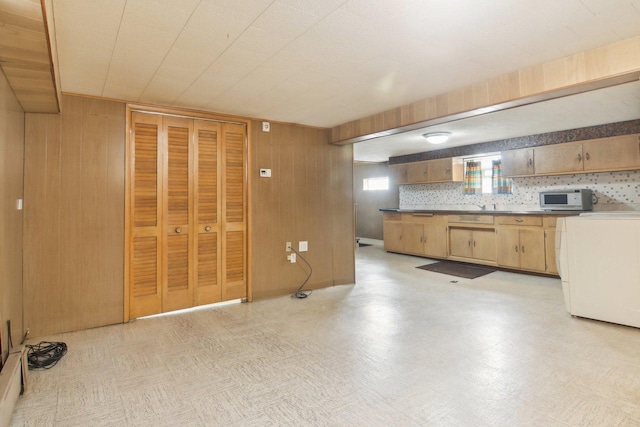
(177, 203)
(207, 206)
(145, 244)
(234, 221)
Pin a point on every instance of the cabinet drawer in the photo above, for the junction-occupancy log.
(392, 216)
(471, 219)
(519, 220)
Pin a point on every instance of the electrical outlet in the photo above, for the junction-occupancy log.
(303, 246)
(291, 258)
(265, 173)
(288, 247)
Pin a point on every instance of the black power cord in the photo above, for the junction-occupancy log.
(45, 354)
(299, 294)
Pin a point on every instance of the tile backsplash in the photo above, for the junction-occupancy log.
(615, 191)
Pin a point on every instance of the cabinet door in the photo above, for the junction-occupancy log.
(440, 170)
(145, 245)
(398, 174)
(392, 231)
(413, 238)
(517, 162)
(435, 240)
(508, 247)
(233, 213)
(177, 292)
(532, 254)
(484, 244)
(550, 250)
(207, 283)
(417, 172)
(460, 242)
(620, 152)
(558, 158)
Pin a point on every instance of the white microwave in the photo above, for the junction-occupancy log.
(567, 200)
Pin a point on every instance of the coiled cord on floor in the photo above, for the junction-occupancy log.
(45, 354)
(299, 294)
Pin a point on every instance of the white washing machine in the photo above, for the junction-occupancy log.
(598, 256)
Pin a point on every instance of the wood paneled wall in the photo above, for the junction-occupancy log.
(74, 216)
(308, 197)
(368, 203)
(11, 172)
(597, 64)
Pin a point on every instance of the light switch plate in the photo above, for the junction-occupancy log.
(265, 173)
(266, 126)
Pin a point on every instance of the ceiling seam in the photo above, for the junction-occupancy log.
(169, 50)
(221, 53)
(281, 49)
(106, 77)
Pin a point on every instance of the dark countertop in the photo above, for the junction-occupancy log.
(481, 212)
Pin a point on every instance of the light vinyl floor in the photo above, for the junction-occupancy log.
(403, 347)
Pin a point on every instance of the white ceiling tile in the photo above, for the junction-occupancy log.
(320, 63)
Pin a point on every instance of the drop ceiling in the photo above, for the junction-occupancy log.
(324, 63)
(313, 62)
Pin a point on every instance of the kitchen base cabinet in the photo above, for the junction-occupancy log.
(473, 244)
(416, 235)
(513, 241)
(392, 231)
(521, 248)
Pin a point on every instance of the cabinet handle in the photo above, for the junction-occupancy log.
(579, 157)
(530, 161)
(516, 248)
(519, 220)
(469, 243)
(474, 243)
(178, 230)
(587, 156)
(207, 228)
(522, 248)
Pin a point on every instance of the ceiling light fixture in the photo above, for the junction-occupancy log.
(437, 137)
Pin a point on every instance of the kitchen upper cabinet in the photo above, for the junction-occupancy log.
(417, 172)
(439, 170)
(597, 155)
(517, 162)
(558, 158)
(398, 174)
(616, 153)
(478, 244)
(444, 170)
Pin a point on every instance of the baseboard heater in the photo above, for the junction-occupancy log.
(12, 383)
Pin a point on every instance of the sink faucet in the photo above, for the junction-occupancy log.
(482, 207)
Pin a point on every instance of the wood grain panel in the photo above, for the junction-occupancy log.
(25, 57)
(12, 136)
(309, 197)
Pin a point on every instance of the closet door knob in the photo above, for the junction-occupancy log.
(178, 230)
(207, 228)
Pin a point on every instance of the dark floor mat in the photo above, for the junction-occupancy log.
(459, 269)
(362, 245)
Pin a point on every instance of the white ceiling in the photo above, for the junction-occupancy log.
(316, 62)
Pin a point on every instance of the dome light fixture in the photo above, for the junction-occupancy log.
(436, 137)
